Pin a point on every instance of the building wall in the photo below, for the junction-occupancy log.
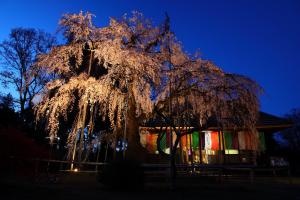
(208, 147)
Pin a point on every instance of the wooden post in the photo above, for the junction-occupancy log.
(74, 153)
(238, 142)
(223, 150)
(171, 158)
(81, 142)
(186, 146)
(181, 149)
(106, 149)
(191, 148)
(200, 147)
(97, 159)
(220, 149)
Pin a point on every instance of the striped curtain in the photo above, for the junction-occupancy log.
(163, 142)
(262, 142)
(151, 143)
(183, 141)
(248, 140)
(231, 140)
(228, 137)
(211, 140)
(143, 137)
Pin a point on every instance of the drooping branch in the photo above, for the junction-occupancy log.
(99, 67)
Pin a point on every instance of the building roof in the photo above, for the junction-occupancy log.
(271, 122)
(265, 122)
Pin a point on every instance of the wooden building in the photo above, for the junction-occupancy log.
(213, 145)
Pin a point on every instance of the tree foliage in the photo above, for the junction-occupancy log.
(19, 53)
(292, 135)
(7, 101)
(7, 112)
(133, 66)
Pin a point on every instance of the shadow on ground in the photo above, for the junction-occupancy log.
(85, 186)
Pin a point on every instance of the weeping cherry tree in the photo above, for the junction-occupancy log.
(130, 71)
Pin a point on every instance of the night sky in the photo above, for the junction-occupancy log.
(259, 39)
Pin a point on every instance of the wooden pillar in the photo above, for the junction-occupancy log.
(238, 142)
(191, 148)
(223, 150)
(220, 149)
(186, 146)
(73, 154)
(106, 149)
(180, 149)
(98, 153)
(200, 147)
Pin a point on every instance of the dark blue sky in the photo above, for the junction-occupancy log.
(260, 39)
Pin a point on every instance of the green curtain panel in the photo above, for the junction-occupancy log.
(262, 141)
(228, 140)
(163, 142)
(195, 138)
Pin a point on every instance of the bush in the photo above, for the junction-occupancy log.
(127, 175)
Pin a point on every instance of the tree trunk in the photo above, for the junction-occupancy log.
(22, 109)
(134, 150)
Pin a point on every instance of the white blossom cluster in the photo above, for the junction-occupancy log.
(101, 71)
